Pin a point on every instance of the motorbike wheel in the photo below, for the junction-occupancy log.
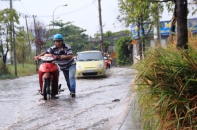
(46, 90)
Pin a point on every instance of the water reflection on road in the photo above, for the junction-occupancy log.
(22, 107)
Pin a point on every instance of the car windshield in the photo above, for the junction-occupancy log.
(89, 56)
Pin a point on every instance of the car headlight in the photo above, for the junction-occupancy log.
(79, 67)
(100, 65)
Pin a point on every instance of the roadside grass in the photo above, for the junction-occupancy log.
(166, 88)
(22, 70)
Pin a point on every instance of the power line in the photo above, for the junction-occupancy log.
(24, 7)
(6, 3)
(70, 12)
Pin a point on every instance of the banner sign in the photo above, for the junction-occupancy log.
(165, 28)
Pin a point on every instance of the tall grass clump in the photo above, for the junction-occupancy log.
(167, 88)
(22, 70)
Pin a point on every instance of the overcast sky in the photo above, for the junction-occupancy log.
(83, 13)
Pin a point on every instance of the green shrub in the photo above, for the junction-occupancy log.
(23, 70)
(167, 88)
(122, 52)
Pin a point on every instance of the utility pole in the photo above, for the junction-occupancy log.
(15, 65)
(101, 27)
(35, 30)
(10, 32)
(27, 31)
(14, 42)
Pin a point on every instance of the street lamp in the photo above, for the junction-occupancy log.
(54, 12)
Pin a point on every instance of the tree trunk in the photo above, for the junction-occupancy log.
(173, 21)
(182, 31)
(139, 40)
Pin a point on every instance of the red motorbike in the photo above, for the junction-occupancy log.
(107, 63)
(49, 77)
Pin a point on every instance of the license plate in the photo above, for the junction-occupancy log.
(89, 71)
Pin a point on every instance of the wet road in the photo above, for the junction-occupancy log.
(22, 108)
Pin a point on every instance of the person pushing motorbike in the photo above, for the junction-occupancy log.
(64, 58)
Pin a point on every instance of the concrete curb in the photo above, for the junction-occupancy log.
(131, 120)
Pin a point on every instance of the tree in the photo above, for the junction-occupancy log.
(4, 45)
(40, 35)
(73, 35)
(179, 18)
(22, 47)
(106, 36)
(7, 16)
(143, 14)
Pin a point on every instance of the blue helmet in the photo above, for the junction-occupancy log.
(58, 37)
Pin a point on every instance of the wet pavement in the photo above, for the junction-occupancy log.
(131, 120)
(100, 104)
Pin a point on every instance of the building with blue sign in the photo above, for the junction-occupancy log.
(164, 32)
(165, 28)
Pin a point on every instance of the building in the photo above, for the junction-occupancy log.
(164, 32)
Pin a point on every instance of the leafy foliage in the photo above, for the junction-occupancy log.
(143, 14)
(22, 48)
(139, 11)
(8, 15)
(122, 52)
(72, 34)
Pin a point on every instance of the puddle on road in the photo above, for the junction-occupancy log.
(22, 107)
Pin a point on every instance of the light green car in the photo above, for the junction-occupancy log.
(90, 64)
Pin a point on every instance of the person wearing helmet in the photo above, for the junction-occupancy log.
(65, 60)
(107, 60)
